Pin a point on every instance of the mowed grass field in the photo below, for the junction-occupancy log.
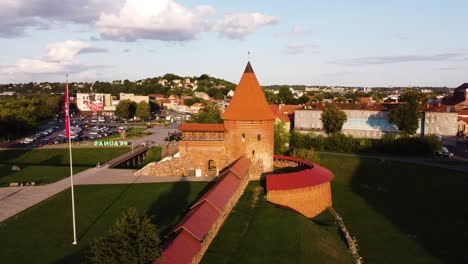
(49, 165)
(43, 233)
(259, 232)
(133, 132)
(401, 213)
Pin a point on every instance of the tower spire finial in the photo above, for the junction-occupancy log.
(248, 68)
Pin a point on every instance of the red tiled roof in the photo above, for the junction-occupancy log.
(248, 102)
(202, 127)
(463, 112)
(289, 109)
(181, 250)
(199, 220)
(240, 167)
(185, 240)
(220, 194)
(366, 99)
(278, 113)
(464, 119)
(313, 176)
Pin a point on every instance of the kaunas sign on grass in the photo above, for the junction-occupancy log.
(110, 143)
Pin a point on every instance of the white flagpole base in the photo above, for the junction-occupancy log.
(75, 243)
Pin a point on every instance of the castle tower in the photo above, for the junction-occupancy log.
(249, 123)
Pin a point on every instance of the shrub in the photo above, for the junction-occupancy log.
(132, 239)
(306, 154)
(389, 143)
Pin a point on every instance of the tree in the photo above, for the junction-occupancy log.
(333, 118)
(132, 239)
(306, 154)
(143, 110)
(209, 114)
(285, 96)
(281, 137)
(303, 99)
(405, 117)
(271, 97)
(125, 109)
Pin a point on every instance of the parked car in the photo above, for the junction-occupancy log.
(444, 152)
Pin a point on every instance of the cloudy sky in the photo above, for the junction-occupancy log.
(326, 42)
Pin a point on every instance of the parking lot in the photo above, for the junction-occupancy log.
(81, 129)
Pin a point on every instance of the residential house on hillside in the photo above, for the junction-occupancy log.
(459, 99)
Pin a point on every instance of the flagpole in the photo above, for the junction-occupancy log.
(68, 133)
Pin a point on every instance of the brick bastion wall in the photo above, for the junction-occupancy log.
(306, 191)
(191, 237)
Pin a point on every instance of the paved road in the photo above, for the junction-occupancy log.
(16, 199)
(434, 162)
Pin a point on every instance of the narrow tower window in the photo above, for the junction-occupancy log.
(243, 137)
(253, 152)
(259, 137)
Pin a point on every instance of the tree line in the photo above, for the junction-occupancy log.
(20, 115)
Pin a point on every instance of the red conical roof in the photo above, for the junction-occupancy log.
(248, 102)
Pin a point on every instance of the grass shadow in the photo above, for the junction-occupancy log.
(415, 210)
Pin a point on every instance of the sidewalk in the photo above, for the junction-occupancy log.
(16, 199)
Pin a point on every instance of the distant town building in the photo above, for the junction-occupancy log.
(95, 103)
(459, 99)
(373, 123)
(134, 98)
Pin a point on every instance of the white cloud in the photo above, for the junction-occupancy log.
(60, 59)
(67, 50)
(238, 25)
(161, 20)
(18, 15)
(298, 48)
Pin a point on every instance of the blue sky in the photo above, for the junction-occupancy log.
(358, 43)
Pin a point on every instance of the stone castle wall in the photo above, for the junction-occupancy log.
(255, 139)
(201, 152)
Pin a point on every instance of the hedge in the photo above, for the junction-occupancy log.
(390, 144)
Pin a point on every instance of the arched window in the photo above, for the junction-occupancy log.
(243, 137)
(253, 152)
(259, 137)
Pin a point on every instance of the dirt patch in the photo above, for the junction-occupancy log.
(255, 195)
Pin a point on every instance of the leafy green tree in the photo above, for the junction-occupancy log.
(143, 110)
(405, 117)
(303, 99)
(209, 114)
(132, 239)
(285, 96)
(125, 109)
(271, 97)
(333, 118)
(281, 137)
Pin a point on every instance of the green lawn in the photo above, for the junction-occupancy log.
(49, 165)
(259, 232)
(43, 233)
(153, 154)
(401, 213)
(133, 132)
